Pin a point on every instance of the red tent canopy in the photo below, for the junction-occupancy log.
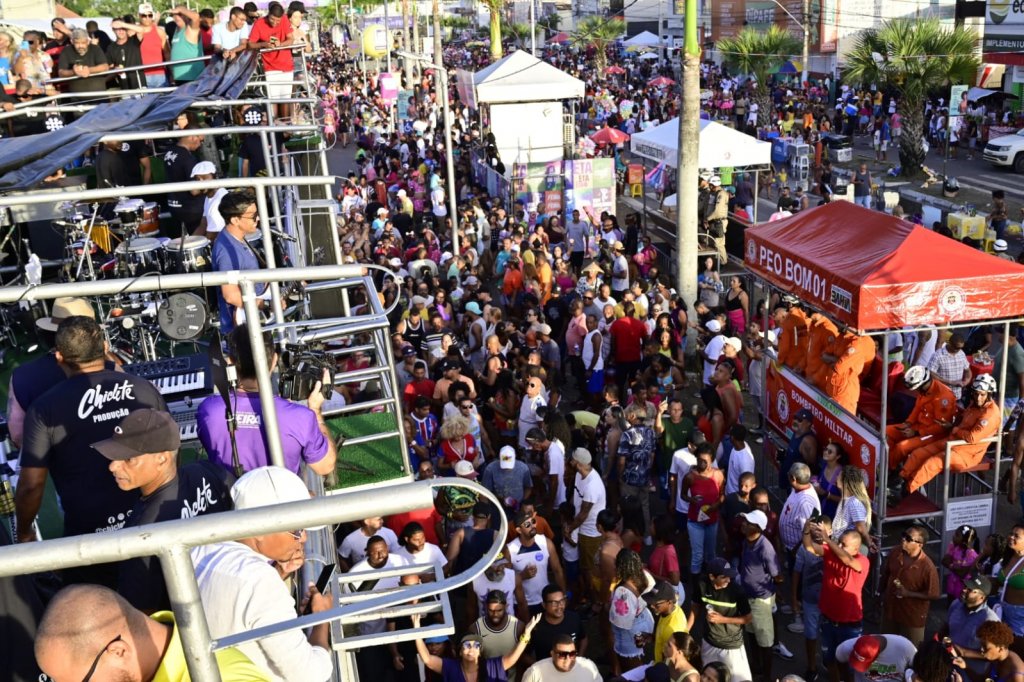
(872, 271)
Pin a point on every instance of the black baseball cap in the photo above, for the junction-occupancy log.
(141, 432)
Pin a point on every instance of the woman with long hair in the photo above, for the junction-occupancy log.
(6, 58)
(737, 305)
(457, 444)
(682, 656)
(854, 508)
(628, 613)
(826, 483)
(615, 422)
(1011, 578)
(715, 671)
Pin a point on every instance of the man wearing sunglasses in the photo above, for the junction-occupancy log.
(565, 665)
(153, 44)
(143, 454)
(241, 586)
(91, 633)
(910, 583)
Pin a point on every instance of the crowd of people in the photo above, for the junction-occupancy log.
(548, 358)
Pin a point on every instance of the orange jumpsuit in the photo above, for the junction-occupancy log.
(842, 380)
(977, 424)
(938, 404)
(822, 336)
(792, 338)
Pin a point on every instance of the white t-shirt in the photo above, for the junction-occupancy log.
(241, 591)
(431, 554)
(228, 39)
(590, 489)
(544, 671)
(740, 462)
(353, 547)
(211, 211)
(377, 625)
(556, 467)
(682, 461)
(587, 352)
(713, 350)
(896, 657)
(620, 273)
(539, 556)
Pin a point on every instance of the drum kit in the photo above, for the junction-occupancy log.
(129, 245)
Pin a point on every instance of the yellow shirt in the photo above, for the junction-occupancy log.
(234, 666)
(673, 622)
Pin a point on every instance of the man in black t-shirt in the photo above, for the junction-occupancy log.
(786, 201)
(179, 161)
(143, 454)
(59, 428)
(123, 164)
(556, 621)
(125, 51)
(726, 612)
(85, 60)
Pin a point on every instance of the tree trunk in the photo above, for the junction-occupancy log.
(764, 105)
(495, 31)
(407, 43)
(601, 58)
(686, 177)
(912, 154)
(436, 19)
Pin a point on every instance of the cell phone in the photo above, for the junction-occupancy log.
(321, 585)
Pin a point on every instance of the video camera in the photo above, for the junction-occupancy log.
(301, 368)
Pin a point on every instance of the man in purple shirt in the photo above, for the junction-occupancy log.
(304, 435)
(759, 574)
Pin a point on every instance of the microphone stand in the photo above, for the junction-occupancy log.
(225, 380)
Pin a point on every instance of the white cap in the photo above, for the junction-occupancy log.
(446, 256)
(542, 328)
(715, 181)
(145, 8)
(507, 457)
(471, 281)
(713, 326)
(401, 192)
(204, 168)
(395, 262)
(515, 247)
(268, 486)
(734, 342)
(419, 300)
(1000, 245)
(582, 456)
(465, 469)
(756, 517)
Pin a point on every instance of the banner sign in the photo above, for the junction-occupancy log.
(590, 183)
(1004, 26)
(788, 394)
(538, 186)
(729, 17)
(403, 103)
(388, 88)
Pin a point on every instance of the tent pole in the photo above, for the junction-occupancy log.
(753, 218)
(1002, 397)
(882, 465)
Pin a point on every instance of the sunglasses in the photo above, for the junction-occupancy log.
(471, 645)
(907, 537)
(32, 42)
(99, 656)
(145, 16)
(466, 407)
(565, 654)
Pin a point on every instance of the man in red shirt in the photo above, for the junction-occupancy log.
(274, 31)
(627, 335)
(844, 573)
(419, 386)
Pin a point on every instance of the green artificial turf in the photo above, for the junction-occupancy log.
(367, 463)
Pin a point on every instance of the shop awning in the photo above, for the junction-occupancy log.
(872, 271)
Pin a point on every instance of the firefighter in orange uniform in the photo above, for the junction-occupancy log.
(980, 420)
(822, 336)
(851, 354)
(933, 410)
(793, 335)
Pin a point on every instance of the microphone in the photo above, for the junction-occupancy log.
(282, 235)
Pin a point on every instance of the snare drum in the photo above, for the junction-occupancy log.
(150, 223)
(129, 212)
(194, 256)
(139, 256)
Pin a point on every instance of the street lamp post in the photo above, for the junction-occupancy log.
(449, 160)
(805, 26)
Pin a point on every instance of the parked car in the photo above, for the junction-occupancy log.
(1007, 150)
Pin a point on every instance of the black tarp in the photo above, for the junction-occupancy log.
(27, 161)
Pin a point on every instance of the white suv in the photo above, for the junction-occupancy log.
(1007, 150)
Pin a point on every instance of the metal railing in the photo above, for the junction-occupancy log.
(172, 540)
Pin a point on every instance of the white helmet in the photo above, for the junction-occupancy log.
(984, 382)
(916, 377)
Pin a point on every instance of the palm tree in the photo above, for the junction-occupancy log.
(759, 54)
(495, 6)
(600, 32)
(912, 59)
(518, 32)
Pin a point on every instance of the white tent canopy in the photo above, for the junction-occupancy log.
(521, 77)
(720, 146)
(645, 39)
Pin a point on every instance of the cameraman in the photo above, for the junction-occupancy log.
(304, 434)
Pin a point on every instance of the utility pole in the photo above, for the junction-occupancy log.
(436, 19)
(807, 41)
(686, 177)
(388, 42)
(533, 28)
(406, 42)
